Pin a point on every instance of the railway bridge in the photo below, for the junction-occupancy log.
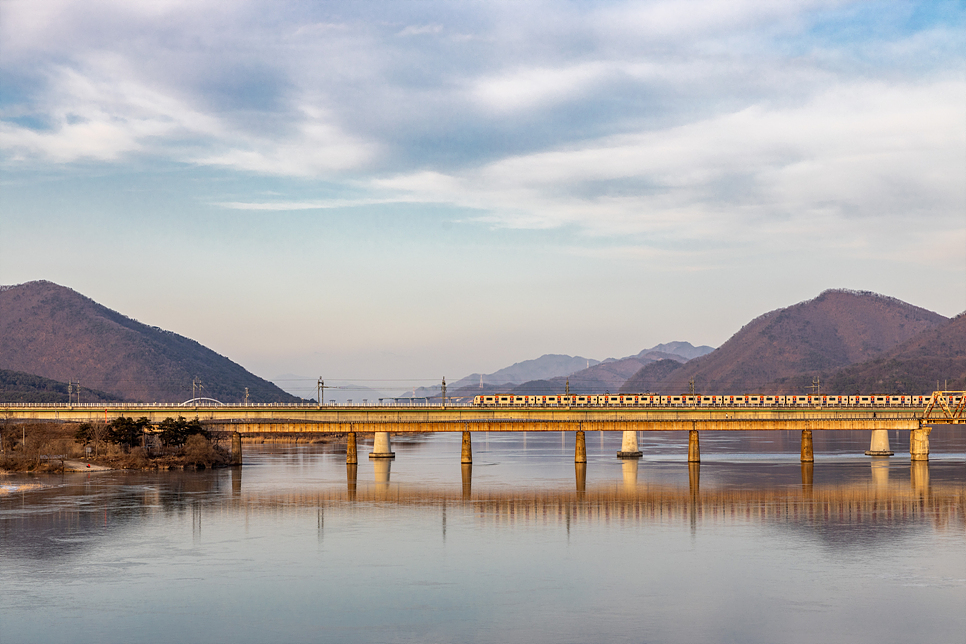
(384, 420)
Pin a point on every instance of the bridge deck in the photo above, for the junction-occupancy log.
(289, 419)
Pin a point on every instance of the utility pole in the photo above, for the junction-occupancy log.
(70, 392)
(246, 396)
(320, 390)
(78, 392)
(816, 386)
(691, 385)
(568, 387)
(444, 391)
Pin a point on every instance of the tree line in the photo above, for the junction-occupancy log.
(129, 432)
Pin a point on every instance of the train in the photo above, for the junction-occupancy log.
(697, 400)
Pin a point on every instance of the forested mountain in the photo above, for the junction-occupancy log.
(54, 332)
(836, 329)
(18, 387)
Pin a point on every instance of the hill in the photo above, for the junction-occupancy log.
(18, 387)
(594, 377)
(546, 366)
(934, 359)
(836, 329)
(55, 332)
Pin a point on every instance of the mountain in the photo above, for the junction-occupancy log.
(55, 332)
(836, 329)
(934, 359)
(549, 374)
(18, 387)
(546, 366)
(684, 349)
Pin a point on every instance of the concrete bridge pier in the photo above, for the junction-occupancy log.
(629, 447)
(466, 453)
(580, 449)
(236, 449)
(919, 443)
(694, 451)
(381, 447)
(581, 472)
(808, 456)
(351, 457)
(880, 444)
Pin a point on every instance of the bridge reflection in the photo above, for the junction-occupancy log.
(879, 505)
(876, 500)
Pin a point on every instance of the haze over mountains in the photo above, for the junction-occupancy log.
(54, 332)
(855, 342)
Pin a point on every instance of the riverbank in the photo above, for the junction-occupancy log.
(52, 448)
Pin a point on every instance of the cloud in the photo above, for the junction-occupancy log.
(867, 151)
(609, 117)
(420, 30)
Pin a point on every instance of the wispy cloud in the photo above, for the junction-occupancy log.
(420, 30)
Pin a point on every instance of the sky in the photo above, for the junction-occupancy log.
(410, 190)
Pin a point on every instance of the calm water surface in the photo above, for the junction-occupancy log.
(521, 547)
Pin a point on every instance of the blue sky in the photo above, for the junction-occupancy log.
(419, 189)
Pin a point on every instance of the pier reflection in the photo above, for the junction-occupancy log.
(35, 519)
(581, 474)
(467, 475)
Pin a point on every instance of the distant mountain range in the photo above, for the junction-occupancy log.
(54, 332)
(850, 341)
(546, 366)
(597, 377)
(783, 350)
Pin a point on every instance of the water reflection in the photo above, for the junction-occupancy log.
(919, 476)
(352, 477)
(467, 475)
(581, 473)
(880, 472)
(516, 547)
(629, 473)
(808, 475)
(380, 470)
(34, 518)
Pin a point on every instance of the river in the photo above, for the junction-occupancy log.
(523, 546)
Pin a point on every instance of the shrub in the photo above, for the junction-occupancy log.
(199, 451)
